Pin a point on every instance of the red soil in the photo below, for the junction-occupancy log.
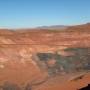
(16, 48)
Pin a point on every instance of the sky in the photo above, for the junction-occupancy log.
(34, 13)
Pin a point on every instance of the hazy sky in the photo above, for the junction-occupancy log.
(32, 13)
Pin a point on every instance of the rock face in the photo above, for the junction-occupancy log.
(17, 48)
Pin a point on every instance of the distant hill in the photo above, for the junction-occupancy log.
(80, 28)
(53, 27)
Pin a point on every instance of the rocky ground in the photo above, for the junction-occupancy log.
(17, 48)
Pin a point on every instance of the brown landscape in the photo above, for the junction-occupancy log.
(28, 57)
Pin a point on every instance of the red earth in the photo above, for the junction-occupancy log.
(17, 47)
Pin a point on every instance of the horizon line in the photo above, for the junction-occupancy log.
(40, 26)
